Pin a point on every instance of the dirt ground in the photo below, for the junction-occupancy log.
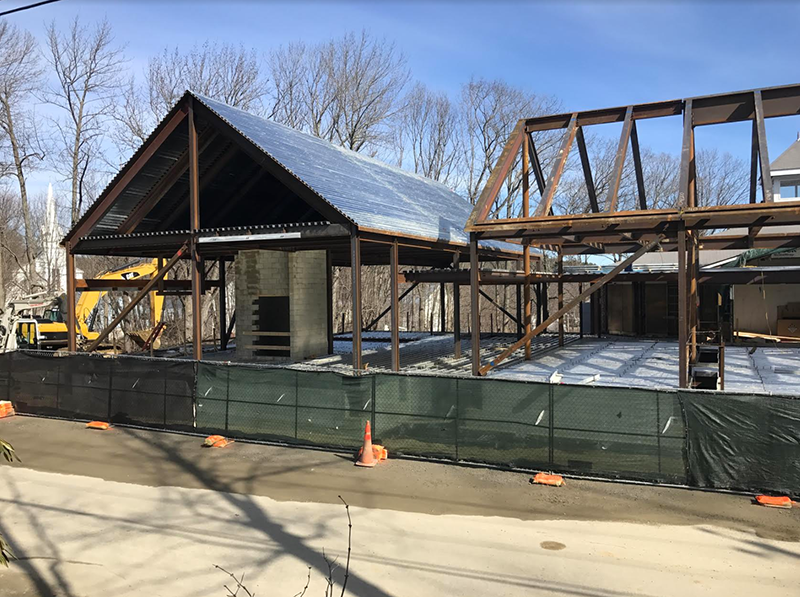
(159, 459)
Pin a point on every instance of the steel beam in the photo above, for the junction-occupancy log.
(763, 153)
(619, 162)
(561, 297)
(499, 307)
(569, 306)
(526, 250)
(380, 316)
(442, 308)
(355, 272)
(155, 194)
(137, 299)
(72, 326)
(394, 285)
(223, 306)
(536, 165)
(474, 303)
(194, 222)
(457, 321)
(123, 179)
(686, 156)
(754, 163)
(587, 171)
(683, 304)
(498, 174)
(637, 165)
(558, 168)
(329, 297)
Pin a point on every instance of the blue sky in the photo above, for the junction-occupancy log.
(588, 54)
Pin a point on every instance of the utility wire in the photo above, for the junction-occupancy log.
(21, 8)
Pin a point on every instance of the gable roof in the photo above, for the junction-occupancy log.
(369, 193)
(350, 187)
(789, 159)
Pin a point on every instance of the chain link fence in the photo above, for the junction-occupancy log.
(684, 437)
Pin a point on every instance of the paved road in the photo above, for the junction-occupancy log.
(87, 533)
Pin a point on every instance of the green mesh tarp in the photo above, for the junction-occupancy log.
(743, 442)
(705, 439)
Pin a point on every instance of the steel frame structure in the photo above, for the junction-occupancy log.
(345, 243)
(681, 228)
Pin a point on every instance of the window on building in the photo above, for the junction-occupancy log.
(789, 191)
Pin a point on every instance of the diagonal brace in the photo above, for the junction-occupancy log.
(141, 294)
(372, 323)
(502, 310)
(571, 305)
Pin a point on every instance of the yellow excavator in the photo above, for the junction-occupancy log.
(38, 322)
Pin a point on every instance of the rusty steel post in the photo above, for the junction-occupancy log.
(474, 303)
(355, 272)
(394, 285)
(526, 249)
(72, 339)
(223, 306)
(560, 297)
(194, 220)
(683, 304)
(457, 321)
(329, 297)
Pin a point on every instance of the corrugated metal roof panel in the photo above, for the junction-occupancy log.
(366, 191)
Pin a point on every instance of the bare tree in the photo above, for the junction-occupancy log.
(490, 110)
(345, 90)
(722, 179)
(428, 130)
(87, 64)
(20, 76)
(225, 72)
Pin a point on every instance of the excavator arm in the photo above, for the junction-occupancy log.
(89, 299)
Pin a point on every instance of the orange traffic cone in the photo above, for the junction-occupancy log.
(367, 458)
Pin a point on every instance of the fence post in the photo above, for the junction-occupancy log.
(297, 396)
(110, 385)
(8, 376)
(227, 393)
(458, 415)
(194, 394)
(58, 388)
(165, 397)
(658, 429)
(374, 397)
(550, 422)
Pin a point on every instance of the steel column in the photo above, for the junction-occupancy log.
(394, 284)
(329, 294)
(763, 154)
(355, 271)
(223, 306)
(683, 303)
(560, 297)
(442, 308)
(474, 303)
(457, 321)
(194, 219)
(72, 340)
(526, 250)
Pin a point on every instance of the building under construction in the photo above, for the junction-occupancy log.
(612, 395)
